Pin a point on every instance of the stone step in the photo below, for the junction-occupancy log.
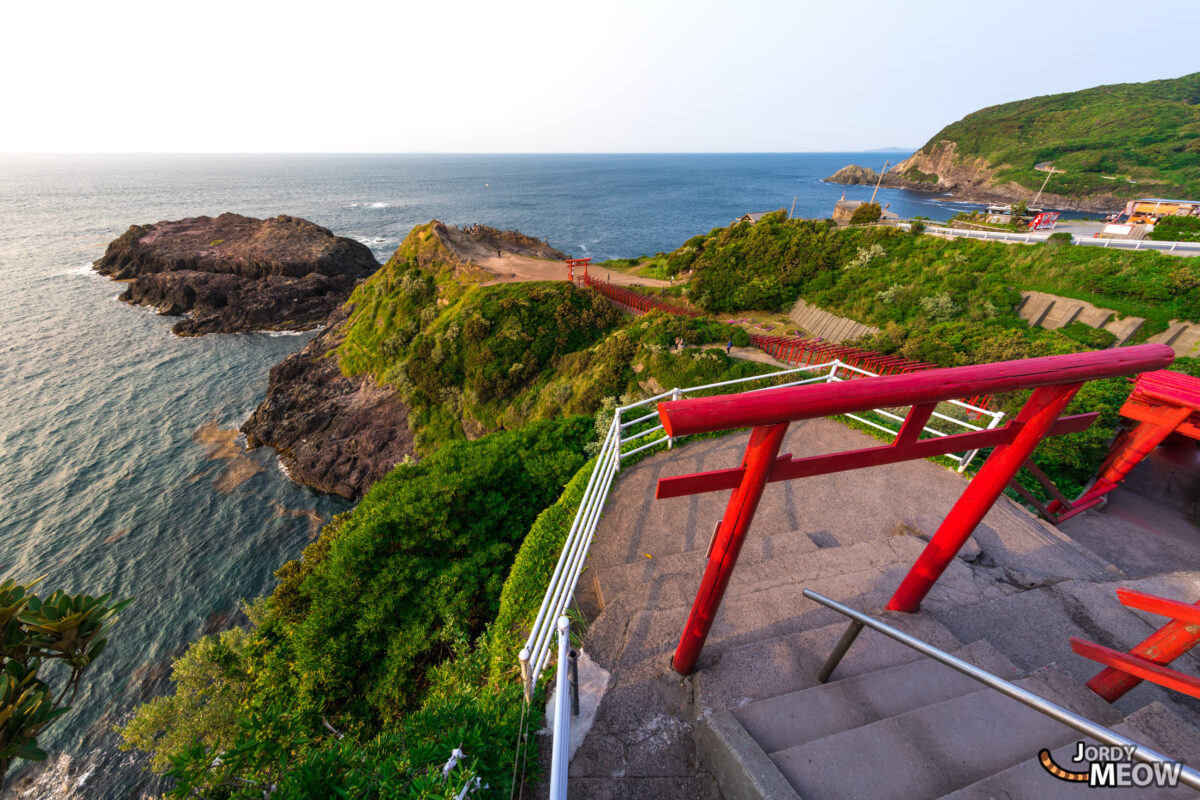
(769, 601)
(1124, 328)
(929, 751)
(1035, 308)
(638, 577)
(778, 723)
(1153, 726)
(1062, 313)
(763, 564)
(731, 676)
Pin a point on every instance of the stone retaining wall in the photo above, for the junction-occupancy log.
(827, 326)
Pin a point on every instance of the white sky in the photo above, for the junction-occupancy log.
(541, 77)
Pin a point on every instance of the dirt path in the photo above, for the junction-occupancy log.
(509, 268)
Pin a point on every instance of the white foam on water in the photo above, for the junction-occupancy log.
(317, 329)
(86, 269)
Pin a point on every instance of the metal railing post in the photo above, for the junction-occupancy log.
(675, 395)
(573, 679)
(839, 651)
(560, 757)
(526, 676)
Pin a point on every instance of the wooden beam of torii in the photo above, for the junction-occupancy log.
(1055, 379)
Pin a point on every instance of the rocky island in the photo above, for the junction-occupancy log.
(233, 274)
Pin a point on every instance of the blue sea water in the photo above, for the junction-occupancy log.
(103, 484)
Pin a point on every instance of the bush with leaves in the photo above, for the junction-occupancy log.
(34, 633)
(866, 214)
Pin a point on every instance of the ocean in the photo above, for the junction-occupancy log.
(120, 469)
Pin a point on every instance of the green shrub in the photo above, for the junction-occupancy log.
(1092, 338)
(866, 214)
(1177, 229)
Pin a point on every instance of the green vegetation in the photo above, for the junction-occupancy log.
(36, 636)
(391, 641)
(879, 275)
(1177, 229)
(866, 214)
(1104, 138)
(398, 628)
(378, 632)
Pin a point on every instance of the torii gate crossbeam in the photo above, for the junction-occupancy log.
(1054, 379)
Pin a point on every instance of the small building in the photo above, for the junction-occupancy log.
(1150, 210)
(843, 210)
(752, 217)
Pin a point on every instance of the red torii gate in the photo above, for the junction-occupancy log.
(1162, 402)
(572, 263)
(1055, 379)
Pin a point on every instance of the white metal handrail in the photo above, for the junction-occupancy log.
(566, 574)
(561, 749)
(1029, 237)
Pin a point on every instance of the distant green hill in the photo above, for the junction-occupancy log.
(1146, 132)
(1113, 142)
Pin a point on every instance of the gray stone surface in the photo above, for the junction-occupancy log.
(1022, 585)
(926, 752)
(803, 716)
(742, 770)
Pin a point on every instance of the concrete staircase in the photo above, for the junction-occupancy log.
(828, 326)
(921, 730)
(1051, 311)
(752, 722)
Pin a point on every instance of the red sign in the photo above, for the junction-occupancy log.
(1046, 219)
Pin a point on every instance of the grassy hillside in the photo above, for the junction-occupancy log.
(1145, 132)
(885, 275)
(470, 359)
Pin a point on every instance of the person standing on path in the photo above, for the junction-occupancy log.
(728, 346)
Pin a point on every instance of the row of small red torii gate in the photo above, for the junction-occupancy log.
(1160, 404)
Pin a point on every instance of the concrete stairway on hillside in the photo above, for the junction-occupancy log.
(920, 729)
(1021, 585)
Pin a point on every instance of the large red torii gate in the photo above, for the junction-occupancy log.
(1055, 379)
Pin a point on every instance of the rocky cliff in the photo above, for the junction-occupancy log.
(340, 434)
(1107, 144)
(233, 273)
(333, 433)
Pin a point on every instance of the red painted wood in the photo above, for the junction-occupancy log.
(1130, 450)
(788, 469)
(914, 425)
(1161, 647)
(739, 513)
(1136, 667)
(1034, 421)
(701, 415)
(1160, 605)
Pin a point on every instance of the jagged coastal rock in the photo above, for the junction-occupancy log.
(233, 274)
(333, 433)
(339, 434)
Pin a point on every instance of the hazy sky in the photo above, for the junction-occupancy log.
(564, 76)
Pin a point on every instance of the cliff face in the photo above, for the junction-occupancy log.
(333, 433)
(233, 273)
(1108, 144)
(340, 434)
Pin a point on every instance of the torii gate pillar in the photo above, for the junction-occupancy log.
(1055, 380)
